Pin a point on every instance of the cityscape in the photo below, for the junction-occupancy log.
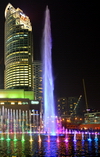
(33, 116)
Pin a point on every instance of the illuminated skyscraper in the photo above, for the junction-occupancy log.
(18, 49)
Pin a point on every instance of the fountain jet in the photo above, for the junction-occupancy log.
(48, 86)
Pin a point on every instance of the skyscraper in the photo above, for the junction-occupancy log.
(18, 95)
(18, 49)
(38, 84)
(37, 80)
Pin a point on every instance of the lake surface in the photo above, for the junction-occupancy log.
(77, 145)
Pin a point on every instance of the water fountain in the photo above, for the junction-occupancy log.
(17, 135)
(74, 136)
(89, 138)
(66, 136)
(82, 136)
(16, 122)
(48, 86)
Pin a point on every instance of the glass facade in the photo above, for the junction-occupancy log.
(18, 49)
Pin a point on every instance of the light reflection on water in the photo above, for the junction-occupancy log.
(79, 147)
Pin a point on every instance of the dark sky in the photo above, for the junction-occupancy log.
(75, 43)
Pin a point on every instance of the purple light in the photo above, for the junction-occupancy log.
(58, 140)
(74, 140)
(66, 140)
(48, 140)
(48, 87)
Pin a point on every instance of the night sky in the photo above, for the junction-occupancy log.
(75, 44)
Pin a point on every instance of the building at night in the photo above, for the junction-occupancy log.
(18, 50)
(91, 121)
(18, 77)
(19, 99)
(92, 118)
(37, 80)
(62, 107)
(72, 101)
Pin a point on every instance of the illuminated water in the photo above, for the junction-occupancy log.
(48, 86)
(18, 121)
(53, 148)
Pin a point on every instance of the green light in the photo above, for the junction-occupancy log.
(8, 139)
(23, 140)
(2, 138)
(16, 93)
(15, 139)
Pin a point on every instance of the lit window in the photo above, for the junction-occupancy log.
(2, 102)
(19, 103)
(12, 103)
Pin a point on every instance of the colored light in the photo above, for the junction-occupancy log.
(49, 111)
(66, 140)
(96, 139)
(31, 139)
(2, 138)
(15, 139)
(8, 139)
(58, 139)
(23, 139)
(89, 139)
(39, 140)
(52, 133)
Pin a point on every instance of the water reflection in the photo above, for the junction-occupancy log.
(96, 147)
(8, 147)
(67, 147)
(77, 145)
(50, 148)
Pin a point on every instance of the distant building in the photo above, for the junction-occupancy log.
(38, 81)
(92, 118)
(91, 121)
(62, 107)
(67, 111)
(72, 101)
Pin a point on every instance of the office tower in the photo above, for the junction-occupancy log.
(18, 49)
(37, 81)
(62, 107)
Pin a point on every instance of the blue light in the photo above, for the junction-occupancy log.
(96, 139)
(89, 139)
(53, 134)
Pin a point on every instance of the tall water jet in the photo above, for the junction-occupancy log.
(48, 86)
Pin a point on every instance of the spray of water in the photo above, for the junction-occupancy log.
(48, 86)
